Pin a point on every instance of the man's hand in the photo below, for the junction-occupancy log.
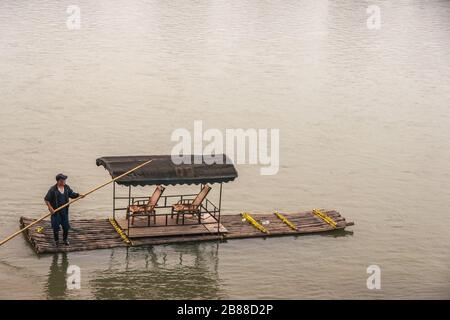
(50, 208)
(82, 196)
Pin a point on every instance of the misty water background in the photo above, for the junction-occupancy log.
(364, 128)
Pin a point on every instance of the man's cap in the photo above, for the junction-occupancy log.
(61, 176)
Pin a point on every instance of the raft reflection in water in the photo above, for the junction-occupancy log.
(189, 270)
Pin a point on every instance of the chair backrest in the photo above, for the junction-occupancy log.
(153, 200)
(201, 195)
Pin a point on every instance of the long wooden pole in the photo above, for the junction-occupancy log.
(72, 201)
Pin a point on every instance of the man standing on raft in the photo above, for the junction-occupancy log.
(57, 196)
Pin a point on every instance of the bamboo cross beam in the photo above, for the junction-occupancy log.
(72, 201)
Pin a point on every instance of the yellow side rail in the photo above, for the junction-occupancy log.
(324, 217)
(120, 231)
(286, 221)
(253, 222)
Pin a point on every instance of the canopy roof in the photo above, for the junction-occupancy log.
(162, 170)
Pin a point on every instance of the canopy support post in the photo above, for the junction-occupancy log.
(114, 200)
(129, 204)
(220, 208)
(129, 195)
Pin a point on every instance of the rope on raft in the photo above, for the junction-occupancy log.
(120, 231)
(253, 222)
(325, 218)
(285, 220)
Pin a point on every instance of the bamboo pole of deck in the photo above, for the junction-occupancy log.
(72, 201)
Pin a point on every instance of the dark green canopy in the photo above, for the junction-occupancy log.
(163, 171)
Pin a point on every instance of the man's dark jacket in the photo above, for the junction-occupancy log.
(52, 196)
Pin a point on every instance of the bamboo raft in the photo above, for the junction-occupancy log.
(90, 234)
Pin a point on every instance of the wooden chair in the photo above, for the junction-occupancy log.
(140, 208)
(191, 206)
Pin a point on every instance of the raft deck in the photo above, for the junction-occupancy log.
(90, 234)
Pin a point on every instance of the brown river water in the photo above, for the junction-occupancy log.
(364, 128)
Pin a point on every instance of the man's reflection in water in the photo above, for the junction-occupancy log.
(56, 283)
